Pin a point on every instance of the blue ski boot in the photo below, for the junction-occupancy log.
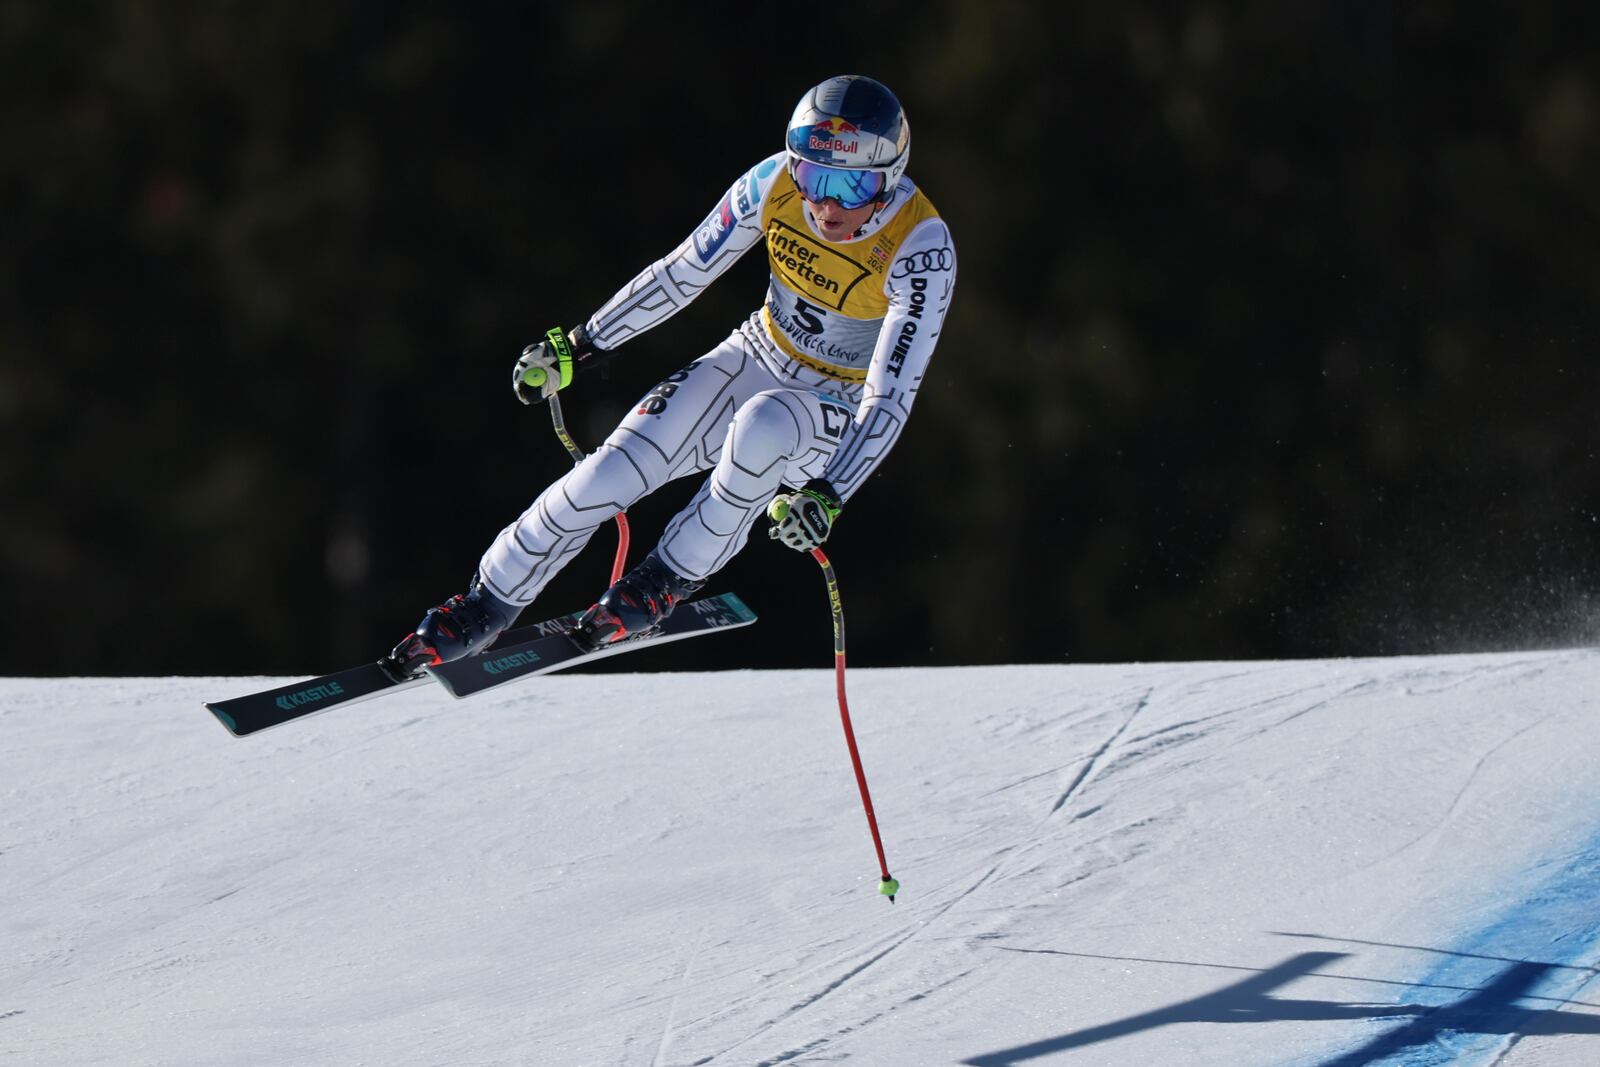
(461, 626)
(636, 605)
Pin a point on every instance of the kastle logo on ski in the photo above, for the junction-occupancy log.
(506, 663)
(302, 697)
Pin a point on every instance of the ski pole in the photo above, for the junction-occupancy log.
(888, 886)
(560, 423)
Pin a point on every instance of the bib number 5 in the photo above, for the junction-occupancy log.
(805, 316)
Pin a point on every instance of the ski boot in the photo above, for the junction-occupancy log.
(635, 606)
(462, 625)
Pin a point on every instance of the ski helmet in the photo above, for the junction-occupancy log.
(848, 141)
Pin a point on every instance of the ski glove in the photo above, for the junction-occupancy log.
(547, 367)
(803, 519)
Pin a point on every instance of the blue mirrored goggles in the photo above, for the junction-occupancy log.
(851, 188)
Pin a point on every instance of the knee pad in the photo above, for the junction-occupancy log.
(765, 429)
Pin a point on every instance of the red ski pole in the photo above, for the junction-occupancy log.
(888, 886)
(560, 423)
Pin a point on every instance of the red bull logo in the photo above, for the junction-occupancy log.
(830, 135)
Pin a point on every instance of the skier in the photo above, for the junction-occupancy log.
(810, 392)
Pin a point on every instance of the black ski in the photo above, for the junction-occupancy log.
(551, 649)
(273, 707)
(525, 650)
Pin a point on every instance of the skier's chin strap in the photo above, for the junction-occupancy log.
(875, 219)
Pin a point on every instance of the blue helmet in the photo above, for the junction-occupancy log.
(848, 140)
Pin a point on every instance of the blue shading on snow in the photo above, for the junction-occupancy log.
(1544, 952)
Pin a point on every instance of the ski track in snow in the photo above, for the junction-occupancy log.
(1090, 764)
(1094, 759)
(1098, 758)
(1091, 859)
(672, 1010)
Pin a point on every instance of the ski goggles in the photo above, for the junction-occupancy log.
(851, 188)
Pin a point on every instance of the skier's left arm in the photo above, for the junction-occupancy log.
(920, 283)
(919, 288)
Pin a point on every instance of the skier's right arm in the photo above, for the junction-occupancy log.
(659, 291)
(667, 286)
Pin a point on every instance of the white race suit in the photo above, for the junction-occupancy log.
(818, 383)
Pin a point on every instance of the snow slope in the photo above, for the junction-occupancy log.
(1343, 862)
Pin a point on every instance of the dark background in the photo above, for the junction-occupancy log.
(1274, 336)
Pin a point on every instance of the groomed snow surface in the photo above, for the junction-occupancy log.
(1343, 862)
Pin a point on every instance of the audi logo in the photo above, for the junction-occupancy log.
(924, 262)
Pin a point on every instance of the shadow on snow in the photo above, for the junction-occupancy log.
(1491, 1009)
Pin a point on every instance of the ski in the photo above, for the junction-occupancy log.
(255, 712)
(520, 652)
(551, 649)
